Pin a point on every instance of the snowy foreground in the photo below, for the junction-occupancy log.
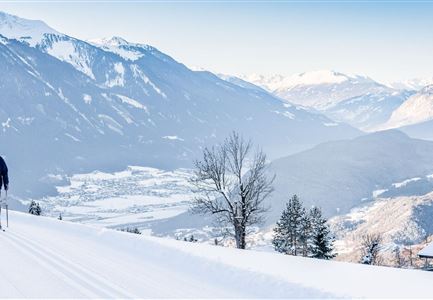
(44, 257)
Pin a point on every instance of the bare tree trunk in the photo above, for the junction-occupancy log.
(231, 183)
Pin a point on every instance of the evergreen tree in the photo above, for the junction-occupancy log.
(321, 238)
(305, 233)
(35, 209)
(288, 230)
(131, 230)
(60, 217)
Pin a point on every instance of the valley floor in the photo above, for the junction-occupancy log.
(43, 258)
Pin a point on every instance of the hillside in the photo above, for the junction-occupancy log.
(415, 115)
(417, 109)
(336, 176)
(111, 103)
(110, 264)
(340, 175)
(402, 221)
(353, 99)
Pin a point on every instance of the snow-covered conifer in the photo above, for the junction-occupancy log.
(321, 238)
(288, 230)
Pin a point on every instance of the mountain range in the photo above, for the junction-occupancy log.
(71, 106)
(354, 99)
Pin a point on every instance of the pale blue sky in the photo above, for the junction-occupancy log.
(386, 40)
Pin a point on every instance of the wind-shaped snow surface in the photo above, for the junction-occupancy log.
(30, 31)
(44, 258)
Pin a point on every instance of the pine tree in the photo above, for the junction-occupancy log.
(38, 210)
(321, 238)
(305, 233)
(288, 230)
(35, 209)
(60, 217)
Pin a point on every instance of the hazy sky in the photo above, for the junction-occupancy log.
(385, 40)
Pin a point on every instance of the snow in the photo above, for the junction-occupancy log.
(427, 251)
(405, 182)
(173, 138)
(316, 77)
(48, 258)
(377, 193)
(66, 51)
(31, 31)
(119, 46)
(119, 77)
(138, 73)
(418, 108)
(137, 195)
(330, 124)
(72, 137)
(412, 84)
(399, 219)
(132, 102)
(286, 114)
(87, 99)
(274, 82)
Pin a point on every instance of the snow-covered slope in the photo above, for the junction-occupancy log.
(338, 176)
(417, 109)
(402, 221)
(412, 84)
(241, 82)
(354, 99)
(369, 110)
(45, 258)
(29, 31)
(83, 107)
(319, 89)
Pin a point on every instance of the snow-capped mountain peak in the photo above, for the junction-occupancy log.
(30, 31)
(321, 77)
(112, 41)
(120, 46)
(318, 77)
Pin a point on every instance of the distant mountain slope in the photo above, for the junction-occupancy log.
(357, 100)
(318, 89)
(71, 106)
(369, 110)
(415, 84)
(337, 176)
(417, 109)
(340, 175)
(402, 221)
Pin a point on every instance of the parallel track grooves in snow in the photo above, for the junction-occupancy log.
(88, 277)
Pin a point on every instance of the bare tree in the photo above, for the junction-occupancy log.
(230, 183)
(399, 261)
(371, 245)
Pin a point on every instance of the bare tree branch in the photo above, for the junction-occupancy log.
(232, 186)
